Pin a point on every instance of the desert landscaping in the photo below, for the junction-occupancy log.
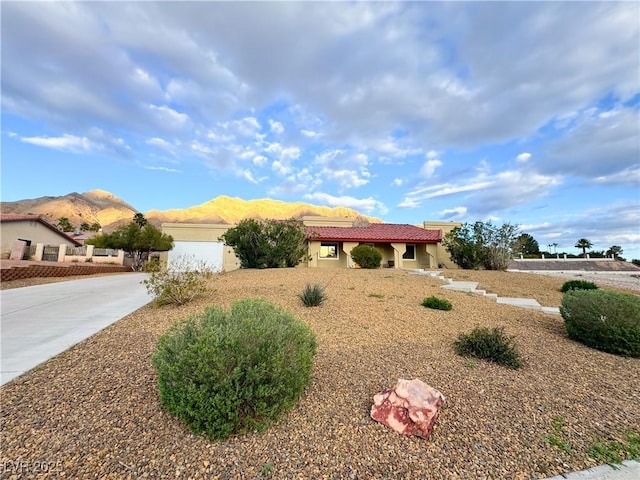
(93, 411)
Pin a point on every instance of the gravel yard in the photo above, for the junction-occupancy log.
(93, 411)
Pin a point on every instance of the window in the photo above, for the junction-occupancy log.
(410, 253)
(329, 250)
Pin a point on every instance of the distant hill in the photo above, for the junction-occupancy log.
(110, 211)
(94, 206)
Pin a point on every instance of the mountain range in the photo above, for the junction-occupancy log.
(110, 211)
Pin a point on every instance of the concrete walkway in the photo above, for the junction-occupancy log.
(40, 322)
(471, 287)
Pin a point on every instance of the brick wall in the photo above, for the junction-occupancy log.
(52, 270)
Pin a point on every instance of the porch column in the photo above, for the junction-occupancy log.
(399, 250)
(432, 254)
(314, 252)
(346, 248)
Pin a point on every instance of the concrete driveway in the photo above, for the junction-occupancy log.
(40, 322)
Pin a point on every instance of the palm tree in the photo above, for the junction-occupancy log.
(583, 243)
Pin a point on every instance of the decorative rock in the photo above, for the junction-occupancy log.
(410, 408)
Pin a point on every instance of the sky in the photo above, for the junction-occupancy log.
(519, 112)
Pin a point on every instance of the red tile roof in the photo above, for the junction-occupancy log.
(18, 217)
(376, 232)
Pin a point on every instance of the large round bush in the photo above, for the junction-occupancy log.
(366, 256)
(228, 372)
(603, 319)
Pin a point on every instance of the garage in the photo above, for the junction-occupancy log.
(189, 255)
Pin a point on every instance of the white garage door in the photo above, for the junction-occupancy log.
(191, 255)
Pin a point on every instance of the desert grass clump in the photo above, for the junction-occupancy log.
(437, 303)
(228, 372)
(490, 344)
(312, 295)
(604, 320)
(179, 283)
(577, 285)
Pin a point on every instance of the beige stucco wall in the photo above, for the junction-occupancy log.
(318, 221)
(441, 254)
(28, 230)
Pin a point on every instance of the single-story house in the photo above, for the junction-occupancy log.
(329, 245)
(32, 229)
(402, 246)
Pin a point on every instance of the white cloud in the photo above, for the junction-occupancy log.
(310, 133)
(160, 143)
(429, 168)
(259, 160)
(281, 168)
(70, 143)
(163, 169)
(453, 213)
(368, 205)
(275, 126)
(168, 118)
(523, 157)
(397, 182)
(247, 175)
(347, 178)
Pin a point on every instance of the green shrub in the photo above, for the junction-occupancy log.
(312, 295)
(489, 344)
(603, 319)
(437, 303)
(366, 256)
(578, 285)
(184, 281)
(229, 372)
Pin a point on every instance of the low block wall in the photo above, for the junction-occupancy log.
(56, 270)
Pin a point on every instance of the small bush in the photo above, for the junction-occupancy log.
(578, 285)
(312, 295)
(489, 344)
(366, 256)
(604, 320)
(180, 283)
(437, 303)
(229, 372)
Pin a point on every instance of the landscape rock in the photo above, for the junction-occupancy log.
(410, 408)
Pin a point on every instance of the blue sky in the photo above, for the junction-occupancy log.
(520, 112)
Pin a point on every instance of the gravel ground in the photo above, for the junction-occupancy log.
(93, 411)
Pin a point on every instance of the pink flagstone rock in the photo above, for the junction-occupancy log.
(410, 408)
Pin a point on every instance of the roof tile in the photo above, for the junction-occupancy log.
(377, 232)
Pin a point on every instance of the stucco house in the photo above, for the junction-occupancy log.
(402, 246)
(32, 229)
(330, 241)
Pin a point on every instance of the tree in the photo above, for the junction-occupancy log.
(64, 224)
(139, 220)
(614, 250)
(526, 244)
(583, 243)
(267, 244)
(138, 238)
(481, 244)
(94, 227)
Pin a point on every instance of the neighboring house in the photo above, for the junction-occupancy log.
(330, 243)
(32, 229)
